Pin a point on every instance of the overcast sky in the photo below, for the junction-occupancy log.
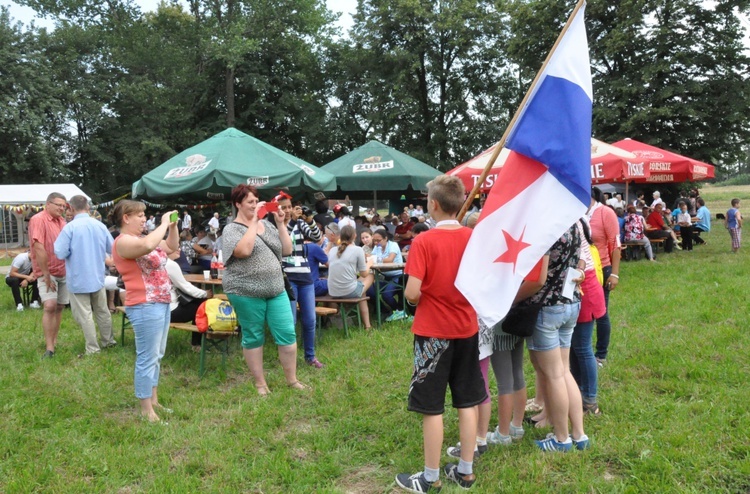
(26, 14)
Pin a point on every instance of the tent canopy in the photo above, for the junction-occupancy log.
(212, 168)
(377, 167)
(36, 193)
(666, 166)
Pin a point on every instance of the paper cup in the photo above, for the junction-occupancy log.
(206, 275)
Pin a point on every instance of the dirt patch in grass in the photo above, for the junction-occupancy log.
(360, 481)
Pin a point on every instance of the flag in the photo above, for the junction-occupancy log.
(544, 186)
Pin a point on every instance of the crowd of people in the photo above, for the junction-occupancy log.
(278, 260)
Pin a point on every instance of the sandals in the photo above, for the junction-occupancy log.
(263, 390)
(299, 386)
(162, 408)
(591, 409)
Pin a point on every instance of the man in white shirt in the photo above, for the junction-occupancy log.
(187, 221)
(213, 223)
(151, 223)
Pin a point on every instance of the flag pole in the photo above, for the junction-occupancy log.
(512, 123)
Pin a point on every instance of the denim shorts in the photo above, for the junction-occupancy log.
(554, 327)
(357, 292)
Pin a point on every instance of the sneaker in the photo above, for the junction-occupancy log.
(111, 344)
(315, 363)
(463, 481)
(48, 354)
(552, 444)
(600, 362)
(516, 433)
(19, 307)
(455, 451)
(581, 443)
(396, 316)
(495, 437)
(678, 246)
(417, 483)
(35, 305)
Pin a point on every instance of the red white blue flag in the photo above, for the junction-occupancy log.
(544, 186)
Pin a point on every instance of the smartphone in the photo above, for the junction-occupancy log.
(272, 207)
(174, 217)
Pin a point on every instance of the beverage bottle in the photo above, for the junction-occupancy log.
(220, 265)
(214, 267)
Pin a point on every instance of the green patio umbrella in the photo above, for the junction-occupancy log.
(210, 169)
(377, 168)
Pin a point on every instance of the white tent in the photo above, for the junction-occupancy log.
(19, 202)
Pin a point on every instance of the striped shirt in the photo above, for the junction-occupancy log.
(297, 266)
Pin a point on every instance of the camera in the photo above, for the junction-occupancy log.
(306, 211)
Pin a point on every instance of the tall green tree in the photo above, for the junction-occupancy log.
(429, 78)
(31, 124)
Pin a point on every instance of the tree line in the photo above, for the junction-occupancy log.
(112, 92)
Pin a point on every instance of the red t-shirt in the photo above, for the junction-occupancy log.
(656, 219)
(443, 312)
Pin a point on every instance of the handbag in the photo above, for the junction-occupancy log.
(288, 287)
(521, 320)
(287, 283)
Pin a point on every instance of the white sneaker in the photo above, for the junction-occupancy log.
(495, 437)
(516, 433)
(35, 305)
(19, 307)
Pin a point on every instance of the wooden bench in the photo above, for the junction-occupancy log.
(632, 251)
(656, 242)
(321, 312)
(217, 339)
(347, 306)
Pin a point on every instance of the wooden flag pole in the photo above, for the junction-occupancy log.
(512, 123)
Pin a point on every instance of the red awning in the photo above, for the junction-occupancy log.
(666, 166)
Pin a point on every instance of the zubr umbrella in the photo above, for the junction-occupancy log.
(665, 166)
(375, 167)
(210, 169)
(608, 164)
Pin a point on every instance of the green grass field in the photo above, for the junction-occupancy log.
(674, 397)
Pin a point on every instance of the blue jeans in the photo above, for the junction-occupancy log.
(151, 326)
(582, 361)
(603, 326)
(389, 288)
(305, 295)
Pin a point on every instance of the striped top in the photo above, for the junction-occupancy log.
(296, 266)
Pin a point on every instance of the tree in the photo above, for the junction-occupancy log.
(30, 112)
(429, 78)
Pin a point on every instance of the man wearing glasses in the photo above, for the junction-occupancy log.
(44, 228)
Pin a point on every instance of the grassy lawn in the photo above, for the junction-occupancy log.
(673, 394)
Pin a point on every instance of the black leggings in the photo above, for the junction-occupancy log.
(186, 313)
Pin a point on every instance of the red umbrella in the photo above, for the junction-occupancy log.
(665, 166)
(608, 164)
(470, 171)
(611, 164)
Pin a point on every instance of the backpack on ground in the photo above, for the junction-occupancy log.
(216, 315)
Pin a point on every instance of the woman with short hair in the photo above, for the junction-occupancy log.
(141, 261)
(254, 283)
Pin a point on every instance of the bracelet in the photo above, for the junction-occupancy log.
(616, 276)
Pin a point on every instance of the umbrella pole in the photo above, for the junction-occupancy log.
(627, 197)
(375, 200)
